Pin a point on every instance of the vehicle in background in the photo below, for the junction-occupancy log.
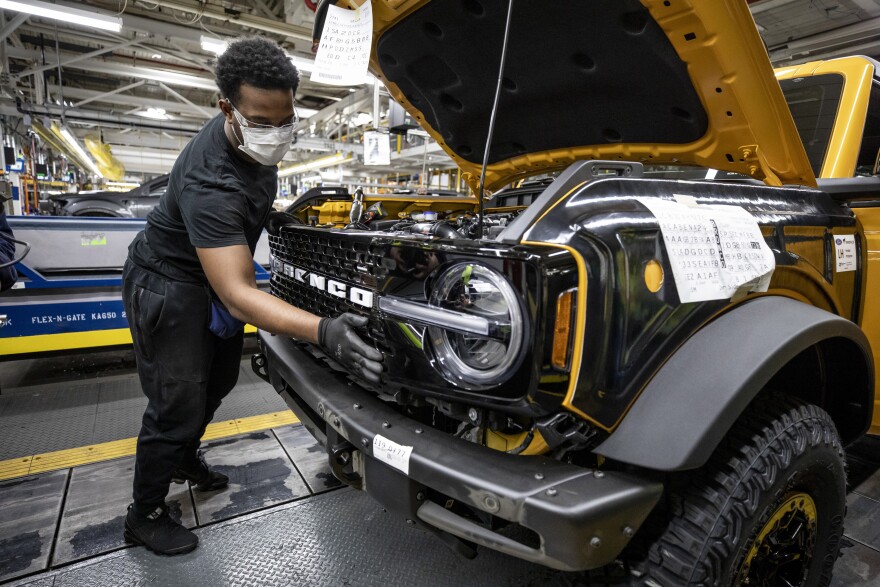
(135, 203)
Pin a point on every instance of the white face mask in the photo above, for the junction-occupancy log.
(264, 144)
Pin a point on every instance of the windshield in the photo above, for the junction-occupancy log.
(813, 103)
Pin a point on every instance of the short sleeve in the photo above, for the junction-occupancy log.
(214, 216)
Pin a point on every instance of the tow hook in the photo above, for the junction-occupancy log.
(260, 366)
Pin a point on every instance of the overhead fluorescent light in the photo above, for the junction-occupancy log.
(213, 45)
(315, 164)
(98, 20)
(173, 78)
(154, 113)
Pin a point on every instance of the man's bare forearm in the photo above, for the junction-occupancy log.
(271, 314)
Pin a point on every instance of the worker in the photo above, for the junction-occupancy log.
(189, 285)
(8, 275)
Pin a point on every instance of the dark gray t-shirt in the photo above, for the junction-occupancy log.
(214, 199)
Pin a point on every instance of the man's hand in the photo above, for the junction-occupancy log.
(339, 340)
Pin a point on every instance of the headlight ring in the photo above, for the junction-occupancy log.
(465, 358)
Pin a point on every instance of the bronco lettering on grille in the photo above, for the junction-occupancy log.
(356, 295)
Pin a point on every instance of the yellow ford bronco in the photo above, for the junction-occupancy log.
(620, 364)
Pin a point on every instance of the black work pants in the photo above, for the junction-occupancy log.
(185, 372)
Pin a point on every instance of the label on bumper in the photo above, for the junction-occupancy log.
(391, 453)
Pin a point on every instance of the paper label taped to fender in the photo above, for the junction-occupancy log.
(715, 251)
(391, 453)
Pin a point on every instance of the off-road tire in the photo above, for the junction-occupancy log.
(779, 446)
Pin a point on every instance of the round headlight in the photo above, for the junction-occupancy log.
(483, 352)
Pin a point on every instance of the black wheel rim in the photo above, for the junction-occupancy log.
(783, 549)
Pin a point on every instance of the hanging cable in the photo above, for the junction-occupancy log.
(27, 249)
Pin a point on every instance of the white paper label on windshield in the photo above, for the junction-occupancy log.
(344, 52)
(845, 252)
(715, 251)
(391, 453)
(377, 148)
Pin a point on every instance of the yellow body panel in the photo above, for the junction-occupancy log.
(750, 130)
(846, 138)
(869, 218)
(337, 212)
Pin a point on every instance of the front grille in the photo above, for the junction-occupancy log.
(352, 258)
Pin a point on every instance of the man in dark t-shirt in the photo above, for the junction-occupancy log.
(189, 285)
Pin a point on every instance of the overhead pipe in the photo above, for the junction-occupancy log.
(99, 118)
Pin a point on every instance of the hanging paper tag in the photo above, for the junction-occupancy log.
(377, 149)
(344, 53)
(716, 252)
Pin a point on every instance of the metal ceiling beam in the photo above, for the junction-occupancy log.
(869, 48)
(859, 31)
(265, 9)
(12, 25)
(843, 38)
(759, 7)
(101, 96)
(187, 58)
(122, 70)
(115, 97)
(144, 139)
(350, 104)
(100, 118)
(248, 20)
(420, 151)
(326, 145)
(869, 6)
(71, 60)
(186, 101)
(142, 24)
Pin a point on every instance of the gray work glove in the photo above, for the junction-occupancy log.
(339, 340)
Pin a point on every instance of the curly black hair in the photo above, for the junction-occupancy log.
(256, 62)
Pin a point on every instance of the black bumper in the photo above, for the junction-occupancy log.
(583, 518)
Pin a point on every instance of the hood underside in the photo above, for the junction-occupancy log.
(665, 82)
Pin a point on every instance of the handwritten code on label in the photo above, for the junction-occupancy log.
(344, 52)
(391, 453)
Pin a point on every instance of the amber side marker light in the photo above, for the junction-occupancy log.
(653, 276)
(562, 329)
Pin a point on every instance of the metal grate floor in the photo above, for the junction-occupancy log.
(71, 412)
(282, 521)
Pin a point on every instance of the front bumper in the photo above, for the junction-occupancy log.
(583, 518)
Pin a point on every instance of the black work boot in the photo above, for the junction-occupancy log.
(199, 475)
(158, 531)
